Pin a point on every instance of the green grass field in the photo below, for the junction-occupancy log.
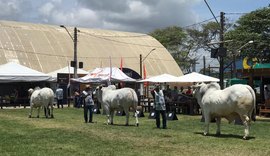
(67, 134)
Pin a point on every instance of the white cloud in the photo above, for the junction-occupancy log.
(46, 9)
(127, 15)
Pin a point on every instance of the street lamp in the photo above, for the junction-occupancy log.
(142, 59)
(249, 42)
(74, 39)
(238, 51)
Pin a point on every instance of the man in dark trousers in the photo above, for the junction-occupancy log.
(88, 104)
(160, 107)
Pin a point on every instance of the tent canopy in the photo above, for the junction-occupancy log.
(161, 78)
(13, 72)
(105, 74)
(66, 70)
(197, 77)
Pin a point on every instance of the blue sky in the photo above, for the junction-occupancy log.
(229, 6)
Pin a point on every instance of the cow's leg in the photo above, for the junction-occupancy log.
(111, 116)
(38, 110)
(246, 121)
(31, 110)
(218, 120)
(51, 110)
(207, 119)
(136, 117)
(127, 116)
(46, 111)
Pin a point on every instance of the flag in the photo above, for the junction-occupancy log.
(144, 75)
(69, 75)
(121, 68)
(110, 76)
(121, 64)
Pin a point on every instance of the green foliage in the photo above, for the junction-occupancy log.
(201, 37)
(67, 134)
(252, 26)
(175, 40)
(171, 37)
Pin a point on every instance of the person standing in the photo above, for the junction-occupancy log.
(76, 98)
(160, 107)
(59, 93)
(266, 93)
(88, 104)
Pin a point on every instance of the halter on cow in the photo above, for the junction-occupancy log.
(230, 103)
(113, 99)
(41, 98)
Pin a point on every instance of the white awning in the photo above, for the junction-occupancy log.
(13, 72)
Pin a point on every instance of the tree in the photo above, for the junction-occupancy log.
(253, 26)
(173, 38)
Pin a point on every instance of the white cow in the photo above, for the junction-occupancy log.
(230, 103)
(41, 98)
(113, 99)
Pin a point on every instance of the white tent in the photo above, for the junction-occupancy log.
(196, 77)
(105, 74)
(161, 78)
(66, 70)
(13, 72)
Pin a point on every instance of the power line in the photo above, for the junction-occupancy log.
(112, 40)
(199, 23)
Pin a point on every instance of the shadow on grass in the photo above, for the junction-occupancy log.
(225, 136)
(42, 118)
(121, 125)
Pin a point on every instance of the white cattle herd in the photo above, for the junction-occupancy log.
(237, 101)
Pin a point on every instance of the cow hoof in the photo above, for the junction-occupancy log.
(205, 134)
(37, 116)
(244, 138)
(52, 116)
(29, 116)
(137, 124)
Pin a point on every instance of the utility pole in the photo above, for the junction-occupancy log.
(204, 65)
(75, 53)
(141, 66)
(74, 39)
(221, 46)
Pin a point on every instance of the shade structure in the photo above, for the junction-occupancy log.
(47, 48)
(161, 78)
(196, 77)
(66, 70)
(113, 74)
(13, 72)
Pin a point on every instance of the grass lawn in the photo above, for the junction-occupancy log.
(67, 134)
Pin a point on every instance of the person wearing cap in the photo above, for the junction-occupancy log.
(160, 107)
(88, 104)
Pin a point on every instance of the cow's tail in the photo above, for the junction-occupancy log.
(253, 113)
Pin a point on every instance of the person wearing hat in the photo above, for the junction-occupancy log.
(160, 107)
(88, 104)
